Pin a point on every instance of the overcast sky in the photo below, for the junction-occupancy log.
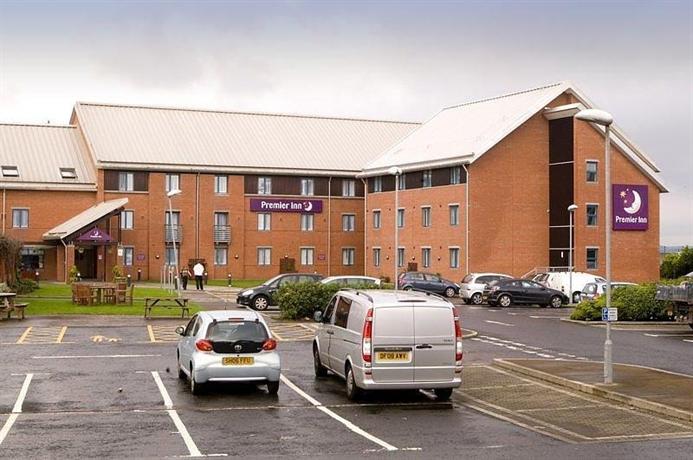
(385, 60)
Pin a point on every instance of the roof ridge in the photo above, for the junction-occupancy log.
(236, 112)
(478, 101)
(39, 125)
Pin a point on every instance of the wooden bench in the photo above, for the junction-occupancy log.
(166, 302)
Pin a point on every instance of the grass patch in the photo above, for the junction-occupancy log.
(49, 307)
(235, 283)
(61, 290)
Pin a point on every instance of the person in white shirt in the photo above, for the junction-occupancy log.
(199, 271)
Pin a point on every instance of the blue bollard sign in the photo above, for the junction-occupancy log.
(609, 314)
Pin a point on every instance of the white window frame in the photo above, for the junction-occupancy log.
(124, 220)
(401, 182)
(264, 221)
(221, 250)
(596, 173)
(426, 256)
(68, 173)
(307, 222)
(264, 185)
(377, 184)
(455, 175)
(126, 181)
(400, 218)
(307, 187)
(596, 260)
(454, 262)
(221, 184)
(348, 187)
(376, 256)
(348, 222)
(456, 207)
(23, 223)
(401, 256)
(348, 256)
(427, 178)
(169, 255)
(307, 254)
(171, 180)
(128, 261)
(377, 218)
(264, 255)
(426, 216)
(587, 215)
(9, 171)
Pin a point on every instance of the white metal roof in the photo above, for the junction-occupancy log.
(132, 136)
(463, 133)
(39, 151)
(84, 219)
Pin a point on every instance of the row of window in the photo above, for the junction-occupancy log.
(13, 171)
(453, 257)
(426, 221)
(306, 256)
(455, 178)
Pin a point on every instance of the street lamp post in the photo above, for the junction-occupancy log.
(396, 172)
(605, 119)
(174, 236)
(571, 211)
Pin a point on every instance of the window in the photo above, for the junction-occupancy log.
(20, 218)
(220, 255)
(454, 257)
(376, 219)
(348, 222)
(455, 175)
(426, 216)
(591, 214)
(341, 315)
(126, 181)
(128, 256)
(32, 258)
(454, 214)
(427, 179)
(348, 256)
(307, 186)
(592, 168)
(400, 218)
(426, 257)
(307, 222)
(10, 171)
(172, 182)
(348, 187)
(307, 255)
(170, 256)
(377, 184)
(376, 257)
(400, 257)
(592, 258)
(264, 256)
(172, 218)
(221, 219)
(264, 185)
(127, 220)
(264, 221)
(402, 182)
(221, 185)
(68, 173)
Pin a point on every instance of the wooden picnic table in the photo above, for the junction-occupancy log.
(166, 302)
(100, 291)
(8, 305)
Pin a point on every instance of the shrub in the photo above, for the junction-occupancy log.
(634, 303)
(589, 310)
(73, 274)
(24, 286)
(676, 265)
(302, 300)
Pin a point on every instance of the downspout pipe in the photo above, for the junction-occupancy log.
(65, 258)
(329, 225)
(466, 219)
(4, 214)
(365, 223)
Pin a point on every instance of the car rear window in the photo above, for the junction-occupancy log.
(233, 331)
(590, 288)
(468, 279)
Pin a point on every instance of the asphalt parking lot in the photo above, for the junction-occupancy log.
(100, 387)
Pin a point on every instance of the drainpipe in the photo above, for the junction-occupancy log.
(4, 193)
(197, 216)
(65, 258)
(365, 223)
(466, 219)
(329, 225)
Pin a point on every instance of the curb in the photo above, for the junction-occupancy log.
(593, 390)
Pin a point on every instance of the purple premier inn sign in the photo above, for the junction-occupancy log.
(285, 205)
(630, 207)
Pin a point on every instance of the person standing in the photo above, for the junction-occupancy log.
(199, 271)
(184, 276)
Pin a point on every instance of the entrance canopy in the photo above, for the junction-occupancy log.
(86, 219)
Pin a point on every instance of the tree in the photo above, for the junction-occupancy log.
(676, 265)
(10, 256)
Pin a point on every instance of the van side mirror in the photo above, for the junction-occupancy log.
(180, 330)
(317, 316)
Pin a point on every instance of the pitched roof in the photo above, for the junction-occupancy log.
(169, 138)
(84, 219)
(39, 152)
(463, 133)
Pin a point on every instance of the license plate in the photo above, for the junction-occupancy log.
(238, 361)
(392, 357)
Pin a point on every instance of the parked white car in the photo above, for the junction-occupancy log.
(352, 281)
(473, 285)
(561, 282)
(593, 291)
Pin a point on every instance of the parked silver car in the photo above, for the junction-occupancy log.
(227, 346)
(352, 281)
(383, 340)
(473, 285)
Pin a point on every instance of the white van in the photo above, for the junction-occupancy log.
(386, 340)
(561, 282)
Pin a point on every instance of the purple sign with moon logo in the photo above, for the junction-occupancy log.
(630, 207)
(285, 205)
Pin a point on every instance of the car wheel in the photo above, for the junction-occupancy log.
(504, 300)
(476, 299)
(443, 394)
(408, 288)
(320, 370)
(450, 292)
(576, 297)
(556, 302)
(353, 392)
(181, 374)
(195, 387)
(273, 387)
(260, 302)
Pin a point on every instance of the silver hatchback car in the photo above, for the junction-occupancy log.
(227, 346)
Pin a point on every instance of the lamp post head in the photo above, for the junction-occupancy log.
(395, 171)
(599, 117)
(572, 207)
(173, 193)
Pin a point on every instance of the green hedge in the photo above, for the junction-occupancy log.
(302, 300)
(634, 303)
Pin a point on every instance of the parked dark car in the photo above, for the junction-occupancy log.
(428, 282)
(261, 297)
(504, 293)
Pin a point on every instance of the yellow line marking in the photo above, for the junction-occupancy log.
(274, 333)
(61, 334)
(151, 333)
(24, 336)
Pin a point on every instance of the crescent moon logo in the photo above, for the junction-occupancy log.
(307, 206)
(635, 206)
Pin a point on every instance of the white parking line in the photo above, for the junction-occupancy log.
(498, 322)
(17, 409)
(340, 419)
(189, 443)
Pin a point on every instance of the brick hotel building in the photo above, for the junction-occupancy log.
(485, 186)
